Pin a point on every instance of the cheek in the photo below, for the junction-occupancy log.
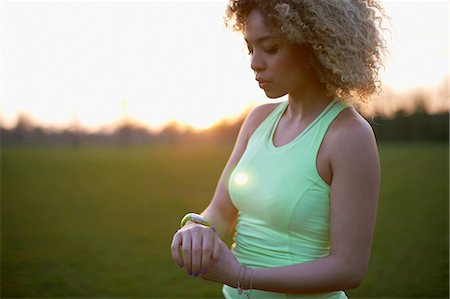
(289, 63)
(289, 70)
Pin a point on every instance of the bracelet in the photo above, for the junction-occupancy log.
(197, 219)
(249, 295)
(240, 289)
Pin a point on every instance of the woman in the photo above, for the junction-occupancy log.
(301, 185)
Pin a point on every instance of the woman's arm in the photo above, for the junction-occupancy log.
(198, 243)
(354, 195)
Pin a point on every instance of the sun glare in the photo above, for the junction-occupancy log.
(241, 178)
(419, 49)
(199, 120)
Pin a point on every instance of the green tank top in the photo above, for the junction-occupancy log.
(282, 202)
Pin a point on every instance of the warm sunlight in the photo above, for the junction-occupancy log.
(158, 62)
(419, 46)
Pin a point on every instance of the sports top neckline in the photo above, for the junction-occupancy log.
(281, 110)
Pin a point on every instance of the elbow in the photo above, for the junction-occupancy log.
(354, 282)
(354, 278)
(350, 273)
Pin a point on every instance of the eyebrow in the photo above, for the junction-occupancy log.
(261, 39)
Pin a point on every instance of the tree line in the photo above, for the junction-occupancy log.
(418, 126)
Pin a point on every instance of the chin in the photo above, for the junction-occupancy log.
(274, 95)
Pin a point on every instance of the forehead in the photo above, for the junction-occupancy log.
(255, 29)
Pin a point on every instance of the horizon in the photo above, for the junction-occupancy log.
(111, 128)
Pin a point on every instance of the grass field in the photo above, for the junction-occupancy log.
(97, 222)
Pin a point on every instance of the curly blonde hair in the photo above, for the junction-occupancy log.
(344, 38)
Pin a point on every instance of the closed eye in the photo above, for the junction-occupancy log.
(272, 50)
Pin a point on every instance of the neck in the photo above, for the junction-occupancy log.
(307, 103)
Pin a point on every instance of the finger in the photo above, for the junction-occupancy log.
(175, 249)
(207, 248)
(216, 248)
(186, 249)
(196, 254)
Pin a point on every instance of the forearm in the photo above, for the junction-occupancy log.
(222, 223)
(322, 275)
(220, 212)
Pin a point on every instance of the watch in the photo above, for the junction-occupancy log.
(194, 218)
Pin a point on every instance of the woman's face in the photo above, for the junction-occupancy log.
(278, 65)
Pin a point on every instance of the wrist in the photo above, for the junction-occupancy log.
(235, 277)
(244, 280)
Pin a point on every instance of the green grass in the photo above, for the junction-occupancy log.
(410, 251)
(98, 222)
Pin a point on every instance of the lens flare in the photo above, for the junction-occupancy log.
(241, 178)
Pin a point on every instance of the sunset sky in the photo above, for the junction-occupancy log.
(96, 62)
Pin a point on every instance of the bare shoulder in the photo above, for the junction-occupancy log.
(350, 126)
(352, 138)
(256, 117)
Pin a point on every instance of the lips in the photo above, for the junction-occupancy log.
(263, 85)
(262, 82)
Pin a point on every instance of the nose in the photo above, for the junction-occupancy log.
(257, 63)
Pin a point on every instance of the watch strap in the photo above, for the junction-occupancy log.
(194, 218)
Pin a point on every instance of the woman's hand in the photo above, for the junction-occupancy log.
(225, 269)
(194, 246)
